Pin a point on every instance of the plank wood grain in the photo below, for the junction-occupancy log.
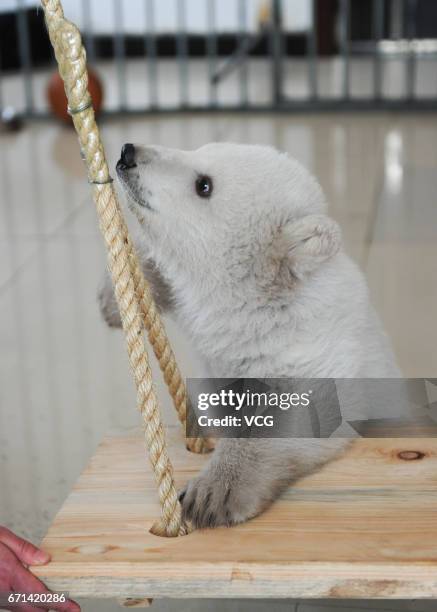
(365, 526)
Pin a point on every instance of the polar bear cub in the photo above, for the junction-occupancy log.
(236, 242)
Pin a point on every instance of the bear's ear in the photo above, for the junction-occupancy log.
(308, 242)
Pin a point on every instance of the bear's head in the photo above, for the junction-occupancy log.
(228, 215)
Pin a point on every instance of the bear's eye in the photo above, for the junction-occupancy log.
(204, 186)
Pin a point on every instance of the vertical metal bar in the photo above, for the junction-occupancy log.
(182, 51)
(396, 19)
(150, 44)
(120, 53)
(25, 55)
(242, 26)
(211, 50)
(344, 46)
(2, 101)
(378, 10)
(88, 29)
(312, 53)
(276, 52)
(410, 32)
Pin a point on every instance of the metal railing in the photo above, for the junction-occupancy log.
(264, 65)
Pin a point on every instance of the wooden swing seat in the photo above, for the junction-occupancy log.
(365, 526)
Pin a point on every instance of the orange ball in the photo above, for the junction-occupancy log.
(58, 100)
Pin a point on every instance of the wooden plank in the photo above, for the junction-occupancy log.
(365, 526)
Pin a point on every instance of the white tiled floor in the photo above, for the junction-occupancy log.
(64, 377)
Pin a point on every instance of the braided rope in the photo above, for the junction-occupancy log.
(152, 321)
(164, 353)
(134, 298)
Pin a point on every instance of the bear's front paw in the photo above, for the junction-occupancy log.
(208, 502)
(108, 303)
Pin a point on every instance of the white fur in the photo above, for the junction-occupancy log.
(261, 283)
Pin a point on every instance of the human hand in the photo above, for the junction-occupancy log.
(15, 555)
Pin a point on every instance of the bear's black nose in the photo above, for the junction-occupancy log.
(127, 159)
